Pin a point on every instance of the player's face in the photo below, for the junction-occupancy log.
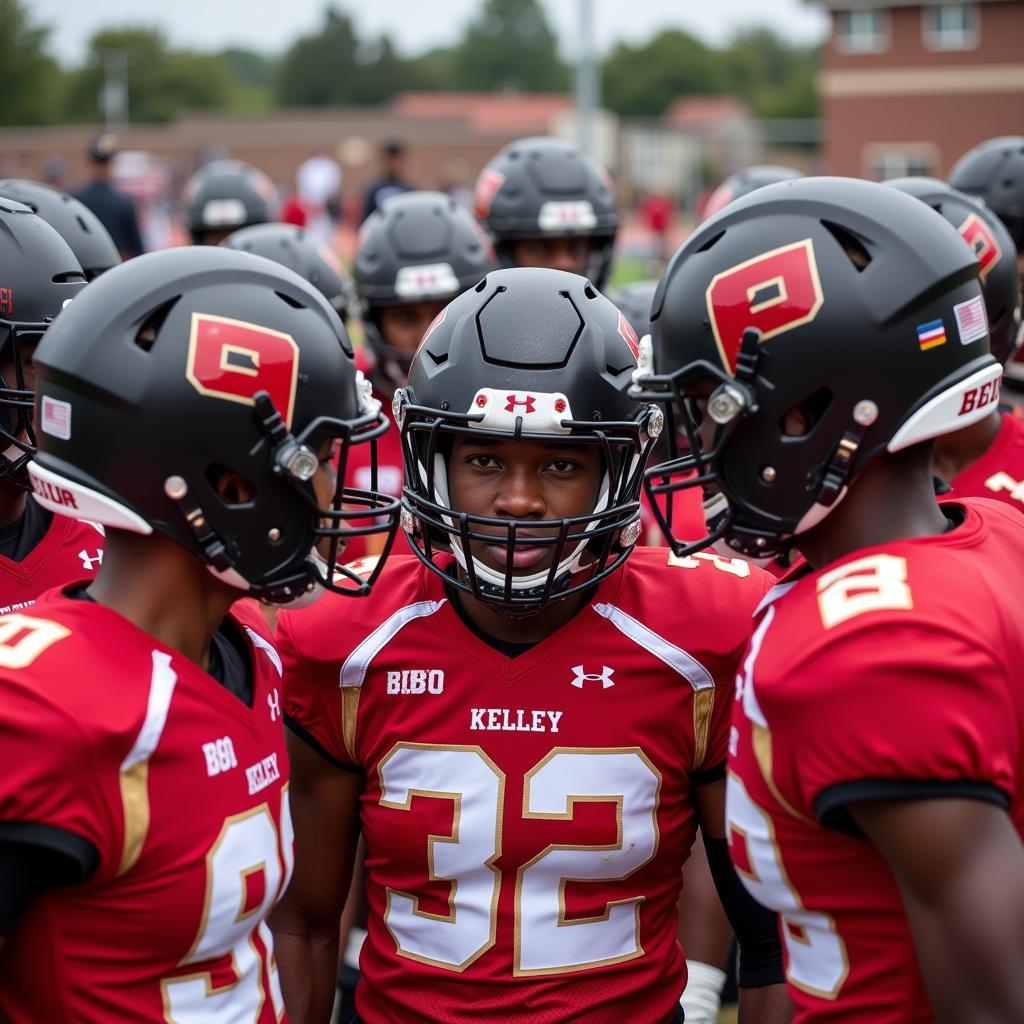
(529, 481)
(26, 349)
(324, 482)
(404, 326)
(571, 254)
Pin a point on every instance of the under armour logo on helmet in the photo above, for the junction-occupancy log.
(604, 677)
(514, 401)
(91, 562)
(274, 703)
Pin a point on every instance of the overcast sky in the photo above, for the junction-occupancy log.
(414, 25)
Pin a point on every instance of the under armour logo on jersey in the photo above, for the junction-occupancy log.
(274, 703)
(604, 677)
(514, 402)
(91, 562)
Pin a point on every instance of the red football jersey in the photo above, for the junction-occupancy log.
(71, 550)
(526, 818)
(179, 787)
(897, 663)
(999, 473)
(390, 474)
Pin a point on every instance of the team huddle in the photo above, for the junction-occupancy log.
(506, 610)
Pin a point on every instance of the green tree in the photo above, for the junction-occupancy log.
(161, 81)
(319, 68)
(776, 78)
(641, 81)
(510, 45)
(334, 65)
(252, 78)
(30, 79)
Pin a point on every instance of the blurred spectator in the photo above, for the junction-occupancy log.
(313, 206)
(657, 212)
(114, 209)
(391, 182)
(55, 172)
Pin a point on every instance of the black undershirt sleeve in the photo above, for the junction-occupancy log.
(756, 928)
(831, 804)
(34, 859)
(708, 775)
(296, 729)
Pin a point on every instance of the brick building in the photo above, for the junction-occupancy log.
(907, 86)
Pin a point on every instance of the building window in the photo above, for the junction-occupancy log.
(950, 26)
(903, 162)
(862, 31)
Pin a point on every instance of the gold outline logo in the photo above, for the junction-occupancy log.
(226, 348)
(807, 245)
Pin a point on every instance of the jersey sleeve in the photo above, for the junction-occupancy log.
(313, 700)
(896, 709)
(52, 787)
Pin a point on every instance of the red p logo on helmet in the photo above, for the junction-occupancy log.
(772, 293)
(975, 232)
(233, 360)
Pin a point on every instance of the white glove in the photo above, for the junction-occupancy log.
(703, 994)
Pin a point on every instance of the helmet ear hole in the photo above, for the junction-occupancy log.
(802, 418)
(230, 486)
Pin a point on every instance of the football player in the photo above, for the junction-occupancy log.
(987, 458)
(144, 827)
(994, 172)
(416, 253)
(39, 276)
(875, 795)
(71, 219)
(225, 195)
(295, 248)
(546, 203)
(703, 927)
(742, 183)
(528, 726)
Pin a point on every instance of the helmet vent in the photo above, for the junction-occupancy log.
(588, 290)
(440, 358)
(69, 276)
(294, 303)
(82, 224)
(148, 330)
(713, 240)
(851, 245)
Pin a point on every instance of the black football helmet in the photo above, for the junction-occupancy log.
(39, 276)
(534, 354)
(417, 247)
(225, 195)
(846, 300)
(994, 172)
(73, 221)
(182, 364)
(744, 182)
(295, 248)
(544, 187)
(986, 234)
(636, 300)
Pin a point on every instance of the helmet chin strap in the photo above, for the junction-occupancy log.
(566, 567)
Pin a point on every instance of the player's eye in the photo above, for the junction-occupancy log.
(482, 461)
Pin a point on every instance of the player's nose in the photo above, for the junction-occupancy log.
(520, 495)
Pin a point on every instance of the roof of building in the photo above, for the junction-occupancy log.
(705, 113)
(487, 111)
